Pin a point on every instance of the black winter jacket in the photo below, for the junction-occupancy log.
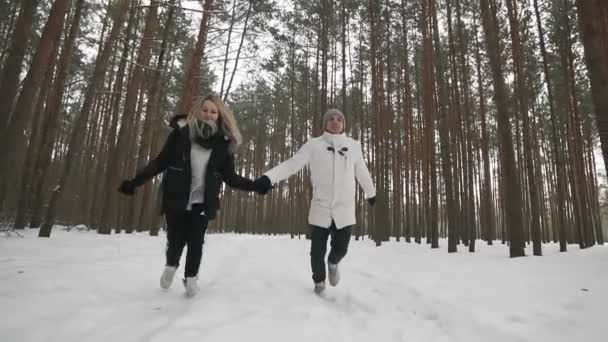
(174, 160)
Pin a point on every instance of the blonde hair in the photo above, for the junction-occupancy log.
(226, 121)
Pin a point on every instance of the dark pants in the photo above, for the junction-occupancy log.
(318, 248)
(187, 228)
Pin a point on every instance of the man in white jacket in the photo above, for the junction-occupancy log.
(335, 161)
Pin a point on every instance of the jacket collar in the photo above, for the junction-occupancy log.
(335, 140)
(178, 120)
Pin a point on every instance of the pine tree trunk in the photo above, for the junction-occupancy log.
(325, 13)
(101, 157)
(119, 163)
(560, 204)
(24, 201)
(430, 21)
(509, 173)
(345, 22)
(593, 24)
(408, 126)
(12, 67)
(13, 143)
(471, 135)
(238, 52)
(52, 115)
(522, 99)
(580, 203)
(108, 209)
(78, 131)
(152, 122)
(377, 104)
(91, 155)
(227, 53)
(190, 88)
(10, 12)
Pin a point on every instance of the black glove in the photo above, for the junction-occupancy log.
(371, 201)
(127, 187)
(262, 185)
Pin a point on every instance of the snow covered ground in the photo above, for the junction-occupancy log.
(80, 286)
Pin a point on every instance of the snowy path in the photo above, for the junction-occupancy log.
(80, 286)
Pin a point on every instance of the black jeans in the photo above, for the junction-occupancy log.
(318, 248)
(187, 228)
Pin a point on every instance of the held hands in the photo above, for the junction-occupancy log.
(262, 185)
(127, 187)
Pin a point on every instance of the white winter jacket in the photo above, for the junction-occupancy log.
(335, 160)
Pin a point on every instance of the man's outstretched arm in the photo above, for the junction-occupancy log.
(363, 176)
(290, 166)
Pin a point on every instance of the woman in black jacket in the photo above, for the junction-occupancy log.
(197, 156)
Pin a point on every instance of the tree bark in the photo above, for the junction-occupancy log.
(593, 24)
(13, 143)
(190, 88)
(560, 205)
(509, 174)
(79, 127)
(12, 67)
(522, 99)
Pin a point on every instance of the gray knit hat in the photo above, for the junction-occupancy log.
(331, 113)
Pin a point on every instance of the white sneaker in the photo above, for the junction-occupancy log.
(333, 274)
(191, 285)
(319, 287)
(167, 277)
